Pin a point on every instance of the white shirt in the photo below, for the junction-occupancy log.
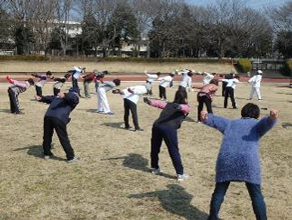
(134, 97)
(151, 77)
(255, 81)
(186, 81)
(231, 82)
(164, 82)
(77, 73)
(207, 78)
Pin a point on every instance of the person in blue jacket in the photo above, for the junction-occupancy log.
(57, 118)
(238, 159)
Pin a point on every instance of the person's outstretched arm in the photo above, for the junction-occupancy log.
(214, 121)
(267, 123)
(45, 99)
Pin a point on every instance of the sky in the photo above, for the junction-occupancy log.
(256, 4)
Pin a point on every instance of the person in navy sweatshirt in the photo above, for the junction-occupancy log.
(57, 117)
(165, 128)
(238, 159)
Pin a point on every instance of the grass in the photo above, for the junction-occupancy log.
(112, 180)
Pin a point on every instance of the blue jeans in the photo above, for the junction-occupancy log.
(254, 190)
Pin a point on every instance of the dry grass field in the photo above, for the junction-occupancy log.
(112, 179)
(133, 67)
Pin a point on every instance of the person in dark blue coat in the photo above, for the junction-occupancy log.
(57, 117)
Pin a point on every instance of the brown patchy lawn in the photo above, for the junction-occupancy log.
(112, 180)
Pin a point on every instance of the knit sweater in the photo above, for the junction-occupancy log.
(238, 158)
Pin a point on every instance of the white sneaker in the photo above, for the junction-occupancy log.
(182, 177)
(74, 160)
(156, 171)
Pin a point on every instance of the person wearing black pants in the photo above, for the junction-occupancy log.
(14, 90)
(205, 95)
(130, 106)
(204, 98)
(162, 92)
(131, 98)
(229, 92)
(57, 117)
(165, 128)
(51, 123)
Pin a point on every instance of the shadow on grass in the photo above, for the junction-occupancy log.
(114, 124)
(37, 151)
(188, 119)
(286, 124)
(175, 200)
(137, 162)
(5, 111)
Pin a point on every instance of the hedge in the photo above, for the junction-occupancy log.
(24, 58)
(287, 69)
(116, 59)
(244, 65)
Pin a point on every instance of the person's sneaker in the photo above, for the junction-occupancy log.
(182, 177)
(128, 127)
(110, 113)
(74, 160)
(99, 112)
(259, 100)
(19, 113)
(156, 171)
(47, 157)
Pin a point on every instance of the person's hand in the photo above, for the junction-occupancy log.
(274, 113)
(204, 115)
(9, 79)
(116, 91)
(147, 100)
(61, 95)
(130, 90)
(38, 98)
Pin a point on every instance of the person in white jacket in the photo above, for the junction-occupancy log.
(165, 82)
(255, 82)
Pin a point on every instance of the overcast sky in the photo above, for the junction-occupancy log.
(252, 3)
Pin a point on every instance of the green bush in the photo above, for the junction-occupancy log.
(287, 69)
(244, 65)
(165, 60)
(24, 58)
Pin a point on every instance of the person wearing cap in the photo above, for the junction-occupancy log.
(131, 97)
(255, 82)
(165, 82)
(57, 118)
(103, 105)
(14, 90)
(76, 73)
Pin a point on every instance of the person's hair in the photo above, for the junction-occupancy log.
(117, 82)
(67, 75)
(214, 81)
(250, 110)
(172, 75)
(30, 81)
(181, 97)
(48, 73)
(214, 74)
(105, 72)
(190, 74)
(237, 77)
(158, 73)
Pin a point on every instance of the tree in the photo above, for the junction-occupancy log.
(23, 40)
